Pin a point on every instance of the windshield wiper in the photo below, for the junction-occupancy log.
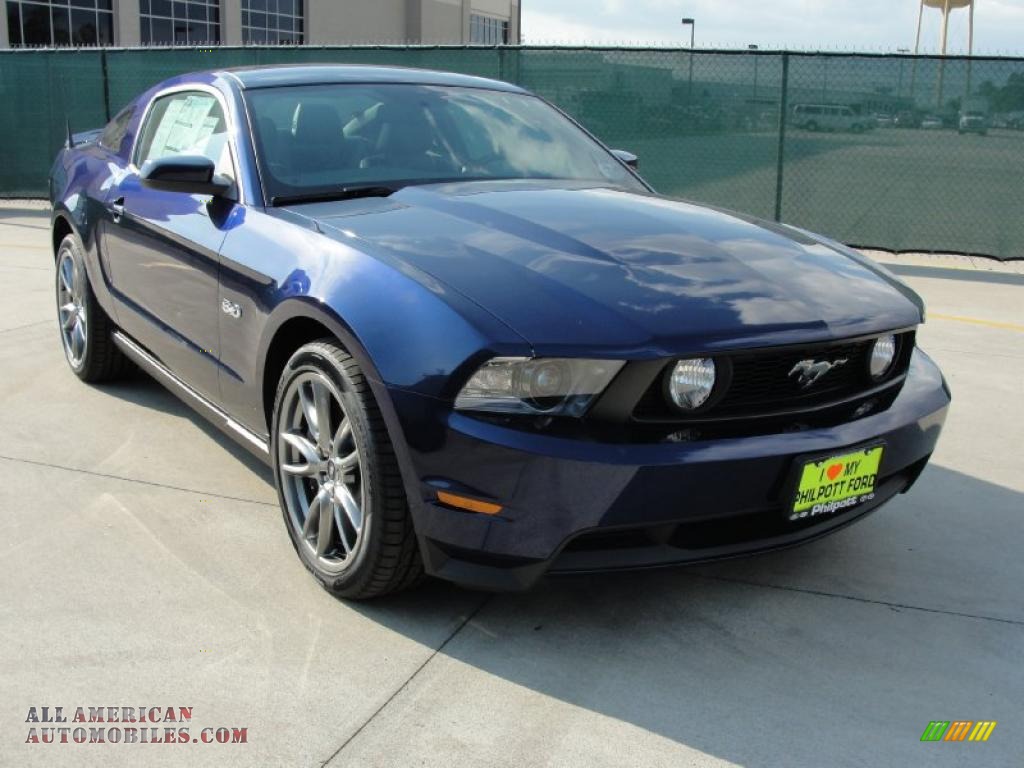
(342, 193)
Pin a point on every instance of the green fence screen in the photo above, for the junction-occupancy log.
(886, 151)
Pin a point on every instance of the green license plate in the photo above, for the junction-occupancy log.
(839, 482)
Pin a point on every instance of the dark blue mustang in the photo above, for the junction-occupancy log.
(470, 340)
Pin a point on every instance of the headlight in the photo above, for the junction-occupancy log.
(882, 355)
(548, 386)
(691, 382)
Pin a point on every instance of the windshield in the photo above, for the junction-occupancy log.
(315, 139)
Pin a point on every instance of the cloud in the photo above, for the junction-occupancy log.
(539, 28)
(861, 25)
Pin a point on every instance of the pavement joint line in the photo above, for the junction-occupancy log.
(469, 617)
(49, 465)
(854, 598)
(978, 321)
(28, 325)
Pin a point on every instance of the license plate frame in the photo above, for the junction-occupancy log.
(828, 503)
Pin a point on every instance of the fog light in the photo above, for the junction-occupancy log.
(883, 353)
(691, 382)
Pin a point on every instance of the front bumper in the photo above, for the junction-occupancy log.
(577, 506)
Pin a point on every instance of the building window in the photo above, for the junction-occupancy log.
(180, 22)
(60, 22)
(488, 30)
(272, 21)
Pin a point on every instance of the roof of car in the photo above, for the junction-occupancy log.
(315, 74)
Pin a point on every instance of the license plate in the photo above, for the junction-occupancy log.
(837, 483)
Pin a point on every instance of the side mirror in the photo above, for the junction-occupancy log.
(189, 174)
(627, 157)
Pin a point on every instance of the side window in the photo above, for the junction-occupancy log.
(186, 123)
(113, 135)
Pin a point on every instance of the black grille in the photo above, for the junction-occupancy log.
(761, 382)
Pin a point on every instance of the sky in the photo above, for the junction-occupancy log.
(843, 25)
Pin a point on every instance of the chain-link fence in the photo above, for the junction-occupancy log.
(887, 151)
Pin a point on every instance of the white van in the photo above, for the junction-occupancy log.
(827, 117)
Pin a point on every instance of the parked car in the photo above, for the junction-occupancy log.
(931, 122)
(828, 117)
(907, 119)
(470, 340)
(973, 122)
(883, 120)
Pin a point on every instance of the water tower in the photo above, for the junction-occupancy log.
(946, 7)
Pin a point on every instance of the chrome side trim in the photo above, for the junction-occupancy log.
(242, 431)
(213, 412)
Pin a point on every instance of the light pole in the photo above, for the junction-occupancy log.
(899, 88)
(753, 48)
(689, 88)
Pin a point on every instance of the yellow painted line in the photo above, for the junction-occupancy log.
(978, 321)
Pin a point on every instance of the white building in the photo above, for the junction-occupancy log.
(239, 22)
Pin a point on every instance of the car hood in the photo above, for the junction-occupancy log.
(571, 266)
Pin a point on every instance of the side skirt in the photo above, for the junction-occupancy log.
(213, 413)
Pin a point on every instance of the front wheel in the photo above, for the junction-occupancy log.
(337, 477)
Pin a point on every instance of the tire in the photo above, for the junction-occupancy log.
(370, 549)
(85, 329)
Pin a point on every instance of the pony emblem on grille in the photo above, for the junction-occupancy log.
(807, 372)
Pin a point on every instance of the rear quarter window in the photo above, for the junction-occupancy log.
(113, 134)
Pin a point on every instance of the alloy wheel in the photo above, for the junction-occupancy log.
(321, 471)
(71, 307)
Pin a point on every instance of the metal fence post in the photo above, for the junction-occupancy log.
(508, 64)
(106, 83)
(781, 154)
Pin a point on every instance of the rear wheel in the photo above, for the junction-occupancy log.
(85, 329)
(337, 477)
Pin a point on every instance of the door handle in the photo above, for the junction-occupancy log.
(117, 209)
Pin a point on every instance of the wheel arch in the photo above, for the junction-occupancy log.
(292, 334)
(60, 228)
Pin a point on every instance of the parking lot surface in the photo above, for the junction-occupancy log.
(144, 563)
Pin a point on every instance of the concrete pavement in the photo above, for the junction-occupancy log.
(144, 563)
